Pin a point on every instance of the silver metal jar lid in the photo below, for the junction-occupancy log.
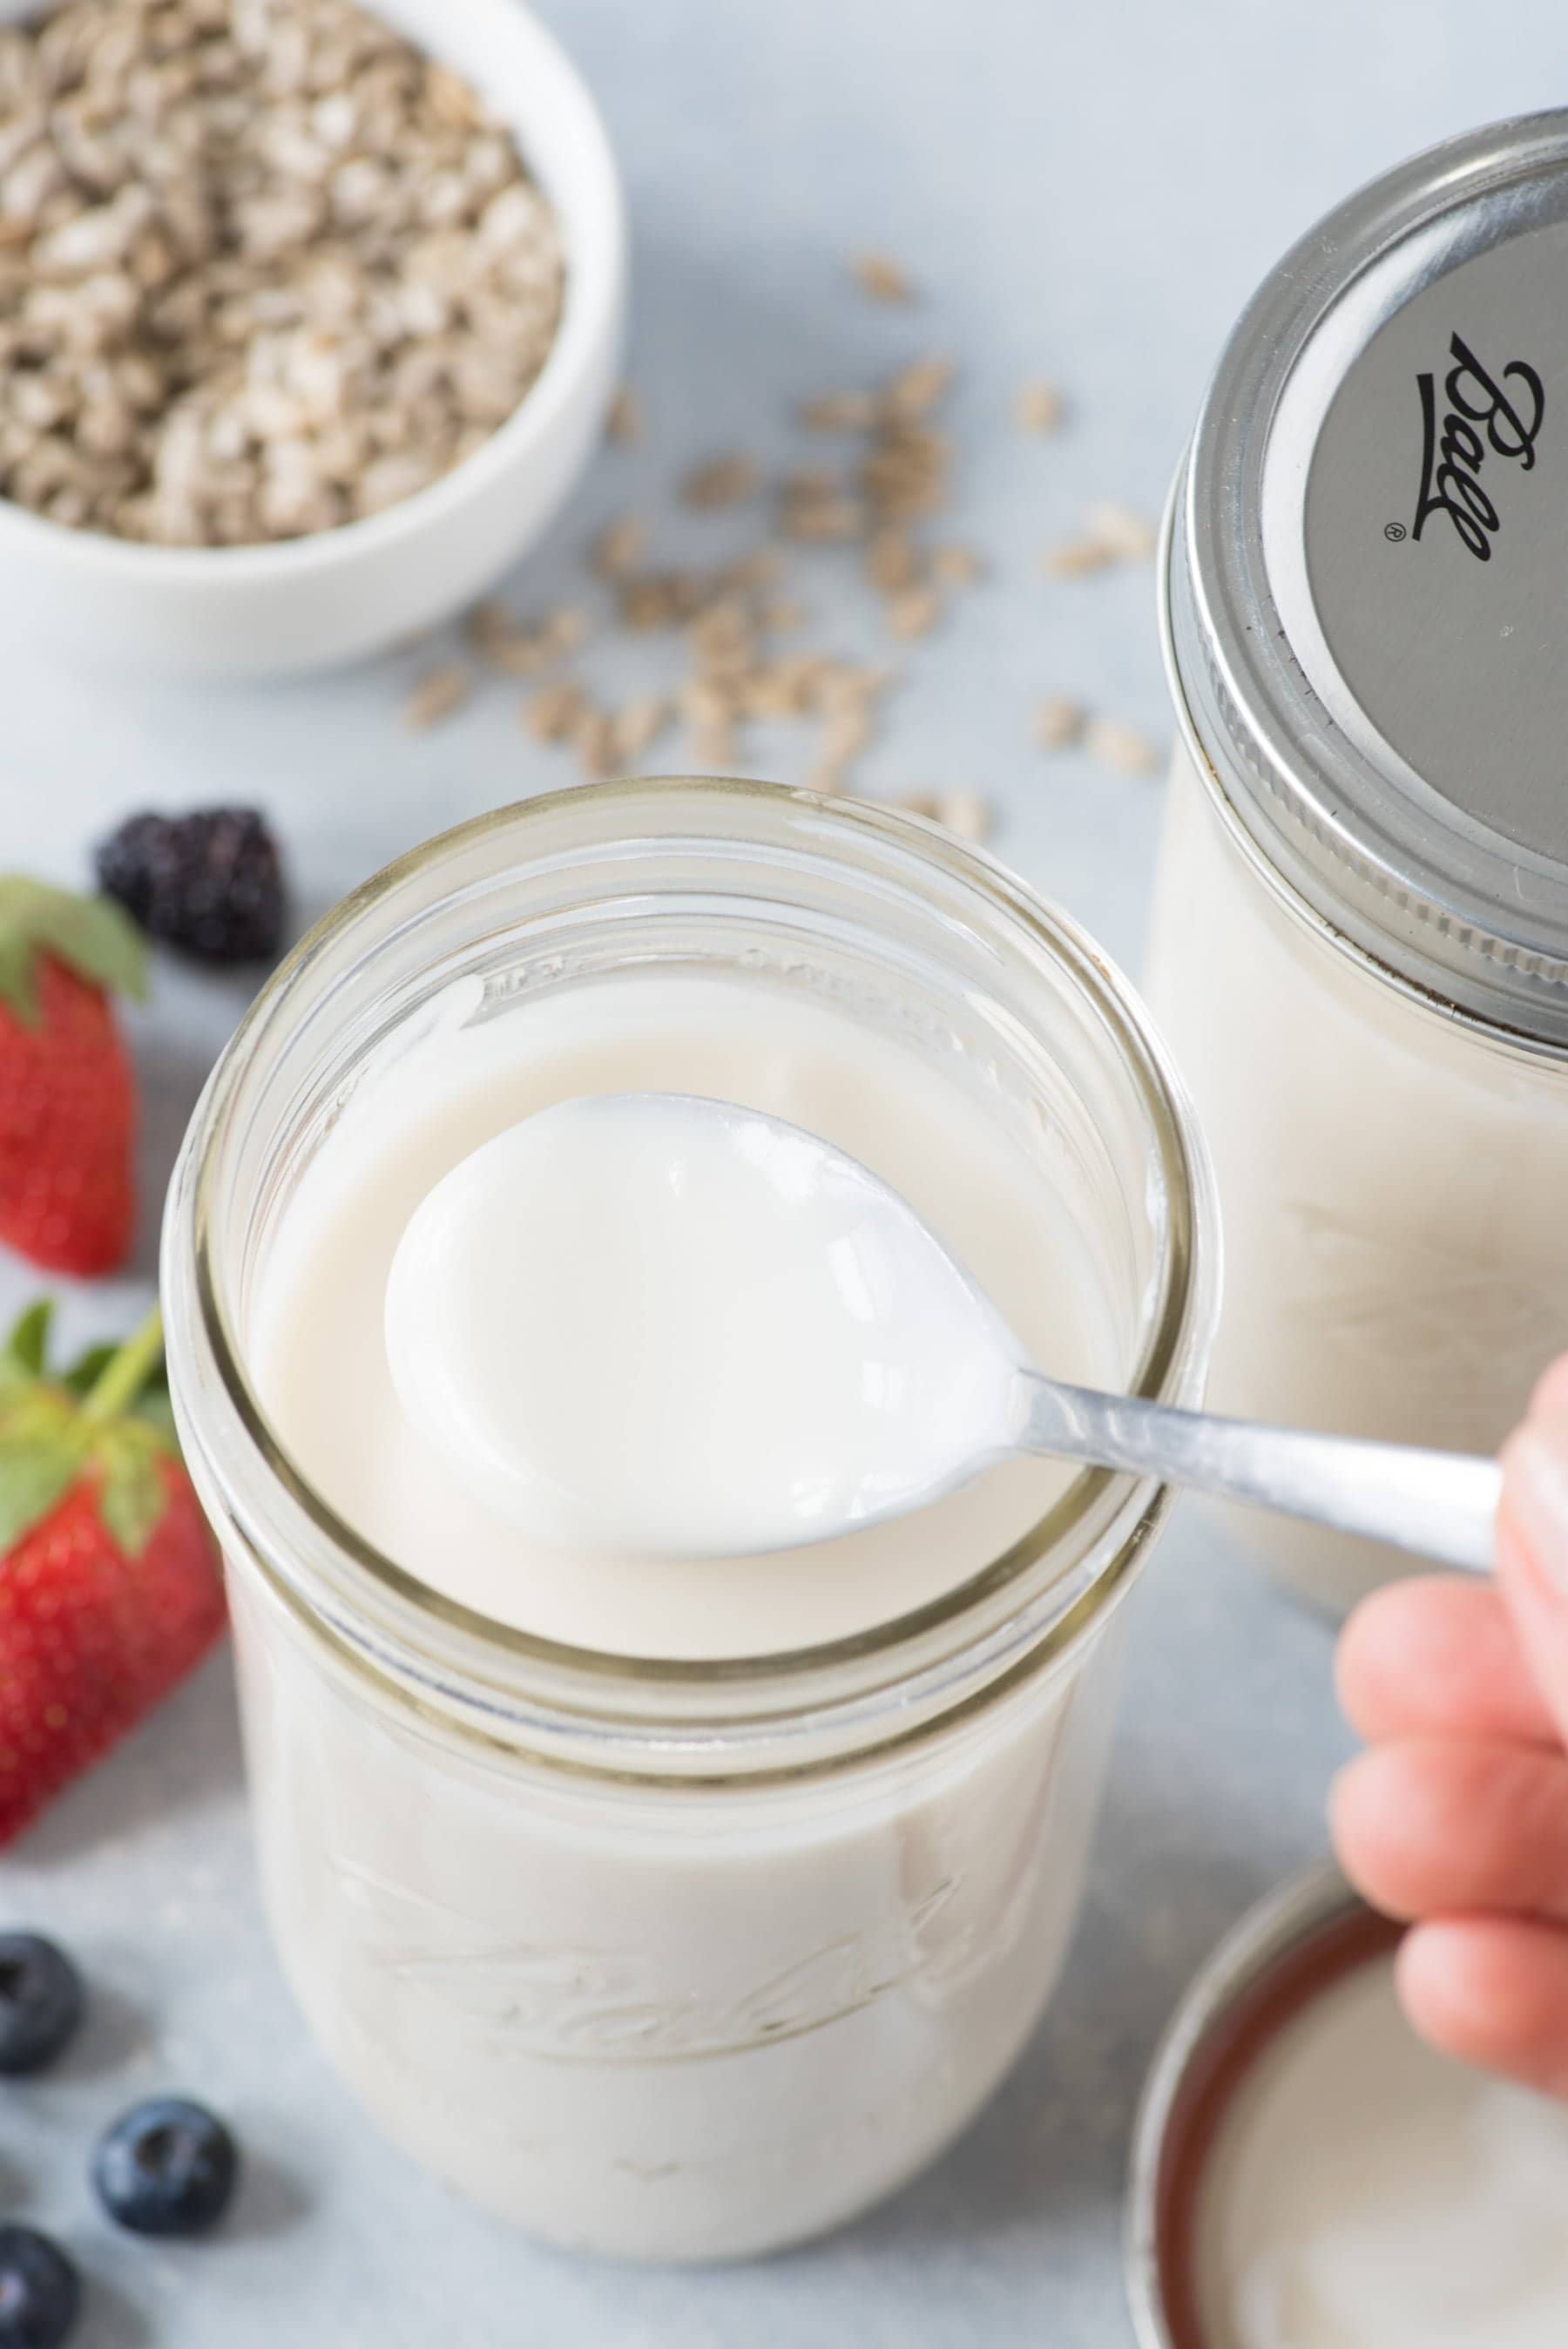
(1367, 573)
(1296, 1943)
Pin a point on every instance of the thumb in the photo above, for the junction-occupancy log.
(1532, 1538)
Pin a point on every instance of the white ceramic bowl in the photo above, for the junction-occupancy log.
(256, 611)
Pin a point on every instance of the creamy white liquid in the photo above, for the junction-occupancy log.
(1391, 1187)
(318, 1344)
(1366, 2193)
(670, 2020)
(754, 1344)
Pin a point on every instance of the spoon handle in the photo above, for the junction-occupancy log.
(1440, 1505)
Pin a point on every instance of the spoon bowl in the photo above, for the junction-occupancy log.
(656, 1324)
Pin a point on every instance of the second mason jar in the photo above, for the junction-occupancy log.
(658, 1945)
(1360, 942)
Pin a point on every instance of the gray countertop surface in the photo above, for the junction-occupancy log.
(1082, 192)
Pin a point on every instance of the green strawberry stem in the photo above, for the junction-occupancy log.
(126, 1373)
(94, 936)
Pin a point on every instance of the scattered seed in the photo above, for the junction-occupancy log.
(904, 471)
(1075, 558)
(802, 674)
(1122, 747)
(637, 725)
(846, 733)
(892, 562)
(715, 747)
(618, 548)
(836, 683)
(914, 391)
(771, 692)
(899, 473)
(965, 813)
(506, 643)
(487, 621)
(707, 706)
(914, 612)
(437, 693)
(1039, 407)
(806, 483)
(723, 639)
(1058, 723)
(521, 652)
(624, 423)
(839, 412)
(880, 278)
(1129, 535)
(647, 603)
(749, 572)
(553, 713)
(594, 740)
(564, 630)
(955, 566)
(828, 520)
(720, 482)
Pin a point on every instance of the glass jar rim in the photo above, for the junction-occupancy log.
(1181, 1306)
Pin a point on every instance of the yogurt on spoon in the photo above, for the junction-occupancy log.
(663, 1325)
(761, 1345)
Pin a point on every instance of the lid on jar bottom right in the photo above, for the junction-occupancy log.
(1366, 581)
(1327, 2181)
(1367, 2193)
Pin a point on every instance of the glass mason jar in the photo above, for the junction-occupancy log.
(664, 1960)
(1359, 950)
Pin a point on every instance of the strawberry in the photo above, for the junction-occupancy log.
(67, 1103)
(109, 1587)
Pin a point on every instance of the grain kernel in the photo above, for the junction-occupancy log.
(625, 422)
(1039, 407)
(880, 278)
(965, 813)
(720, 482)
(1058, 723)
(1075, 558)
(1127, 534)
(914, 612)
(618, 548)
(1122, 747)
(437, 693)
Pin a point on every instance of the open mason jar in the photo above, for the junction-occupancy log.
(1360, 944)
(666, 1959)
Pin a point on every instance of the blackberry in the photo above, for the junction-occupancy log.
(209, 882)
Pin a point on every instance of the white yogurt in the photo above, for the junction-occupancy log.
(1390, 1185)
(685, 2021)
(674, 1908)
(753, 1343)
(1360, 952)
(1363, 2192)
(433, 1149)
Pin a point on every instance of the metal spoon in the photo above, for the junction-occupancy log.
(922, 1386)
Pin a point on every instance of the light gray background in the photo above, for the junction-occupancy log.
(1085, 192)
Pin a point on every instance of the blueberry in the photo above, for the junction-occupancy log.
(40, 2001)
(40, 2291)
(166, 2167)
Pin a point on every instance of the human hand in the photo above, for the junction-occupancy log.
(1456, 1820)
